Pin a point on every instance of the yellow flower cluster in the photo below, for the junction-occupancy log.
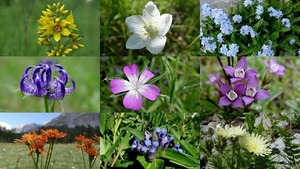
(56, 26)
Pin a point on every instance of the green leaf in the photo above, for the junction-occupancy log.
(156, 164)
(113, 147)
(296, 28)
(248, 51)
(184, 144)
(285, 29)
(274, 36)
(258, 25)
(102, 122)
(180, 159)
(135, 132)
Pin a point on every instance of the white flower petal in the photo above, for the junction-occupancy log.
(136, 24)
(164, 23)
(151, 11)
(156, 44)
(136, 42)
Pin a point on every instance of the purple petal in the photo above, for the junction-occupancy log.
(247, 100)
(225, 88)
(235, 80)
(239, 89)
(266, 63)
(272, 61)
(57, 89)
(119, 85)
(262, 94)
(281, 70)
(229, 70)
(133, 100)
(71, 89)
(250, 72)
(242, 63)
(149, 91)
(253, 81)
(132, 73)
(144, 77)
(224, 101)
(238, 103)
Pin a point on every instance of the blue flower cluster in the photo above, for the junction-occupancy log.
(248, 3)
(209, 44)
(286, 22)
(220, 38)
(245, 30)
(266, 50)
(232, 51)
(259, 11)
(275, 13)
(152, 144)
(40, 81)
(237, 18)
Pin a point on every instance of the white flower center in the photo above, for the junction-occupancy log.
(239, 72)
(232, 95)
(151, 29)
(274, 67)
(251, 91)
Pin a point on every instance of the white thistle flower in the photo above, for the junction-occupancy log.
(229, 131)
(256, 144)
(149, 30)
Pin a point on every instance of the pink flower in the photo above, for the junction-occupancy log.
(136, 87)
(275, 68)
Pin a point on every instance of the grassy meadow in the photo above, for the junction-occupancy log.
(19, 26)
(65, 156)
(84, 70)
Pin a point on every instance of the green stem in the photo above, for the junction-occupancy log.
(83, 158)
(233, 152)
(49, 154)
(52, 106)
(37, 161)
(46, 104)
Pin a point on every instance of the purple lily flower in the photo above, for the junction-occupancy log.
(38, 82)
(275, 68)
(241, 72)
(253, 93)
(232, 96)
(136, 87)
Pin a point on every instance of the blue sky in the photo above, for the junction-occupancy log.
(15, 119)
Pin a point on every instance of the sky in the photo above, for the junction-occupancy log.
(15, 119)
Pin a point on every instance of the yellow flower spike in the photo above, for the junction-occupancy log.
(70, 18)
(49, 14)
(61, 8)
(78, 39)
(49, 7)
(46, 43)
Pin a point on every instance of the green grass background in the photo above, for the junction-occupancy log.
(182, 38)
(65, 156)
(84, 70)
(19, 26)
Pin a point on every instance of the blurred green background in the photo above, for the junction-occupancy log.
(178, 80)
(84, 70)
(182, 38)
(19, 26)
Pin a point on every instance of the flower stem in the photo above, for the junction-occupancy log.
(49, 154)
(83, 158)
(46, 104)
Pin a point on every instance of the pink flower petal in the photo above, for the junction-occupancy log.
(144, 77)
(132, 73)
(133, 100)
(149, 91)
(119, 85)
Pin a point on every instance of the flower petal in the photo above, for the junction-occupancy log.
(224, 101)
(253, 81)
(239, 89)
(132, 73)
(149, 91)
(119, 85)
(242, 63)
(136, 24)
(247, 100)
(238, 103)
(65, 32)
(136, 41)
(151, 11)
(71, 89)
(225, 88)
(56, 36)
(144, 77)
(229, 70)
(262, 94)
(133, 100)
(156, 44)
(164, 24)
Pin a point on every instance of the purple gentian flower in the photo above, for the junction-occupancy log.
(253, 93)
(38, 81)
(275, 68)
(232, 96)
(136, 87)
(214, 79)
(240, 72)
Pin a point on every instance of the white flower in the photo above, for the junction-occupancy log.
(256, 144)
(229, 131)
(149, 30)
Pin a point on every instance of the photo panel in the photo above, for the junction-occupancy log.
(249, 111)
(54, 140)
(36, 84)
(52, 28)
